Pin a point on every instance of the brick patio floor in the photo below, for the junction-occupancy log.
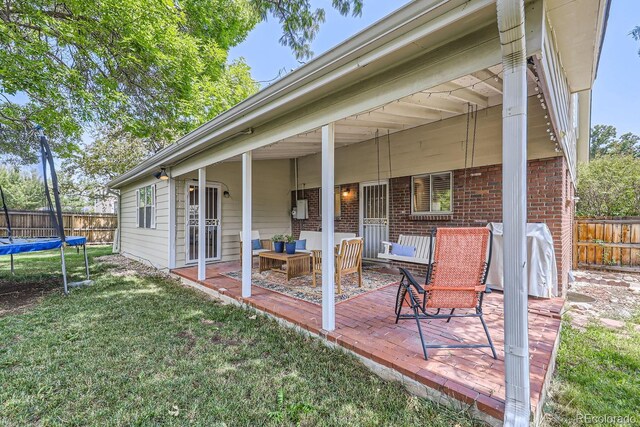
(366, 326)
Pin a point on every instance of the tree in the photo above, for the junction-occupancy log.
(609, 186)
(22, 190)
(604, 141)
(109, 155)
(149, 69)
(635, 33)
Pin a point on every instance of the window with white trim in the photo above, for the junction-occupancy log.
(146, 206)
(431, 194)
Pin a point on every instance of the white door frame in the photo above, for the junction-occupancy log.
(361, 208)
(210, 184)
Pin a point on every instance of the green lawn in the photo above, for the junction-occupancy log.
(147, 351)
(598, 374)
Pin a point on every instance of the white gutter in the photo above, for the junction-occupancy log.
(511, 24)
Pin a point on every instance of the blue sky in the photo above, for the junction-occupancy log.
(266, 56)
(616, 92)
(616, 95)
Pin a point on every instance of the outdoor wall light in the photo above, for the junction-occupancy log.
(162, 174)
(226, 194)
(346, 192)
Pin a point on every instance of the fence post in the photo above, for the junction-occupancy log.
(574, 237)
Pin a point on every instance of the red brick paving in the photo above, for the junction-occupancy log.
(366, 326)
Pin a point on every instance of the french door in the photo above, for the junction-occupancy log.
(213, 233)
(374, 217)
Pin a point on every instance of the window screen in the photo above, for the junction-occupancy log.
(431, 193)
(146, 204)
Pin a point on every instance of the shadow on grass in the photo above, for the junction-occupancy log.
(141, 350)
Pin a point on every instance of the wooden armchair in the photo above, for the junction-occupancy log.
(348, 261)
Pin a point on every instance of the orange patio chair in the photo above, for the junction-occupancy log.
(456, 280)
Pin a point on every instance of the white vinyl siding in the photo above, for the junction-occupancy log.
(148, 245)
(271, 203)
(432, 193)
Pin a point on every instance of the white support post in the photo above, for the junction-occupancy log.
(171, 238)
(514, 212)
(202, 237)
(247, 251)
(328, 251)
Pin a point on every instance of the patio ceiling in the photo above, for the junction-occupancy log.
(481, 89)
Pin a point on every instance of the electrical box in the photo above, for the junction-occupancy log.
(302, 209)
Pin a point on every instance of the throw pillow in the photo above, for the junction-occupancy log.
(402, 250)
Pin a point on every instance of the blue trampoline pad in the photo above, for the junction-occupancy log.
(37, 244)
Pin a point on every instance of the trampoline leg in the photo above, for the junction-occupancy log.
(64, 270)
(12, 269)
(86, 260)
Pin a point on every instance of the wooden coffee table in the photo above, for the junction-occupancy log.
(297, 264)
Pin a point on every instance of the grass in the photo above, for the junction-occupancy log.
(598, 374)
(131, 350)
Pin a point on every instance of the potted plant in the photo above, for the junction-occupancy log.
(290, 244)
(278, 243)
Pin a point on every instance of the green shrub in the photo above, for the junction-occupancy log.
(609, 186)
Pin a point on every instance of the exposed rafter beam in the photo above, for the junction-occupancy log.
(405, 109)
(383, 116)
(365, 121)
(490, 80)
(354, 130)
(436, 103)
(463, 94)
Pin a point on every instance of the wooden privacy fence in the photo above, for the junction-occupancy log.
(97, 228)
(607, 243)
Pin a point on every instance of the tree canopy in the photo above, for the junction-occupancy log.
(604, 140)
(609, 186)
(143, 70)
(24, 190)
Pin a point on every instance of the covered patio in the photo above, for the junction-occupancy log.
(445, 112)
(365, 326)
(450, 115)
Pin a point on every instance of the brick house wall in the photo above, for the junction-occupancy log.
(349, 214)
(477, 200)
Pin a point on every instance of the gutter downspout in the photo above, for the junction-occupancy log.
(511, 24)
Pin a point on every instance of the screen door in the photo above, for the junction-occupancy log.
(374, 217)
(213, 233)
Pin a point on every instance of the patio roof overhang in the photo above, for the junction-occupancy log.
(423, 45)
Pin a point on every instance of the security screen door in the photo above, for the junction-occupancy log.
(374, 217)
(213, 235)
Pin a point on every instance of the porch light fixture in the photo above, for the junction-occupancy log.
(346, 192)
(161, 175)
(226, 194)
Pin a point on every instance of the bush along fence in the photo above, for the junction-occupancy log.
(607, 243)
(97, 228)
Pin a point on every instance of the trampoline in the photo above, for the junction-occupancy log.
(11, 246)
